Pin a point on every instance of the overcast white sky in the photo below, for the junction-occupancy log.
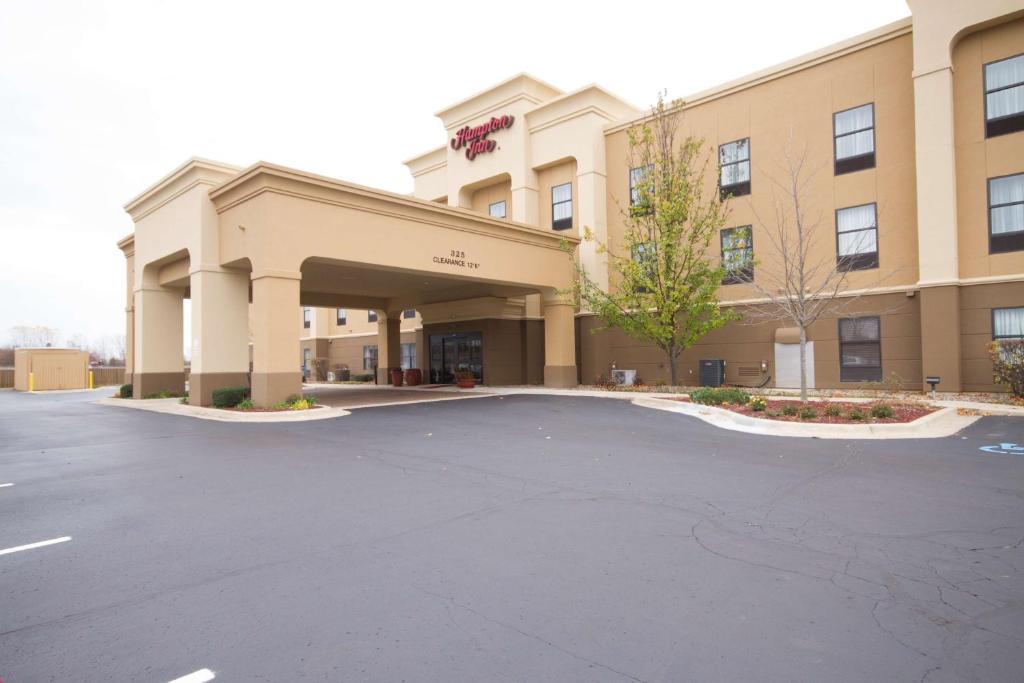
(100, 98)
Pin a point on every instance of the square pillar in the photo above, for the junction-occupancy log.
(220, 332)
(940, 336)
(389, 345)
(559, 344)
(277, 359)
(159, 359)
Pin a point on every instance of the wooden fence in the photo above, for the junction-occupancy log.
(101, 377)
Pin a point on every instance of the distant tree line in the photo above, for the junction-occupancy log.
(107, 349)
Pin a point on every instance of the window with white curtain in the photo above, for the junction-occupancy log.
(646, 255)
(1008, 323)
(342, 316)
(561, 207)
(857, 237)
(307, 317)
(734, 168)
(408, 356)
(1006, 213)
(497, 209)
(854, 138)
(1004, 96)
(371, 316)
(369, 357)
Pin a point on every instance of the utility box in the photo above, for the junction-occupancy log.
(712, 372)
(45, 369)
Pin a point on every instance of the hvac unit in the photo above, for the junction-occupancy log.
(712, 372)
(624, 377)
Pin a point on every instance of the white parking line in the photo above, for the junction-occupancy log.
(3, 486)
(200, 676)
(30, 546)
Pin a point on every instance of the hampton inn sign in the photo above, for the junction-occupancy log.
(475, 139)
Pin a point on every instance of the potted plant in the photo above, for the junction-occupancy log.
(396, 377)
(465, 379)
(413, 376)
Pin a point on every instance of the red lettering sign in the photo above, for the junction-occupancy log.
(474, 138)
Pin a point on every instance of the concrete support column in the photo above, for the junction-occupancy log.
(277, 359)
(559, 344)
(389, 345)
(940, 336)
(592, 188)
(220, 332)
(129, 342)
(159, 363)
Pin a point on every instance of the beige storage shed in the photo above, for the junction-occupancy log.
(49, 368)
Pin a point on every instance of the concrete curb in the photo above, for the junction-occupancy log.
(173, 406)
(941, 423)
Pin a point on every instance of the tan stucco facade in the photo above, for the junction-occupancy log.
(254, 247)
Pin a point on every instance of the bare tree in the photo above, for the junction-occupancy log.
(806, 281)
(33, 336)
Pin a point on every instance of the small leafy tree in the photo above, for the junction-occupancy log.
(664, 285)
(1008, 364)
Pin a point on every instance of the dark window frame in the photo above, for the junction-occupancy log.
(739, 189)
(634, 208)
(639, 251)
(742, 275)
(408, 313)
(504, 209)
(403, 347)
(1008, 123)
(847, 372)
(372, 356)
(371, 316)
(562, 223)
(1008, 242)
(307, 317)
(863, 261)
(998, 337)
(860, 162)
(341, 316)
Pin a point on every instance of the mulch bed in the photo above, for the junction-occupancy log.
(902, 412)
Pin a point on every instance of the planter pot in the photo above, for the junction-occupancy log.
(466, 383)
(413, 377)
(396, 378)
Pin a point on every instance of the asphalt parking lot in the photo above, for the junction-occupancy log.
(503, 538)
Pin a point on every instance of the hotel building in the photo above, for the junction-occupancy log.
(917, 129)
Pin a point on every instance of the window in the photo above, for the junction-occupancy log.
(857, 237)
(342, 316)
(371, 316)
(645, 255)
(734, 168)
(1006, 213)
(307, 360)
(408, 356)
(497, 209)
(369, 357)
(1004, 96)
(860, 350)
(409, 313)
(637, 176)
(561, 207)
(738, 255)
(307, 317)
(1008, 323)
(854, 131)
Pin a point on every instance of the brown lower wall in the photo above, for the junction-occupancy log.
(747, 348)
(976, 304)
(513, 350)
(347, 352)
(6, 378)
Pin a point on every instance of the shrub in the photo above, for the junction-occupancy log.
(246, 404)
(758, 404)
(881, 410)
(856, 415)
(1008, 364)
(362, 378)
(229, 397)
(789, 410)
(163, 393)
(832, 410)
(310, 399)
(808, 413)
(125, 391)
(715, 396)
(293, 398)
(300, 404)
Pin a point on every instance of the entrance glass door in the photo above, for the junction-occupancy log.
(456, 351)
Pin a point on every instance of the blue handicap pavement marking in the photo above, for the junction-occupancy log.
(1004, 448)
